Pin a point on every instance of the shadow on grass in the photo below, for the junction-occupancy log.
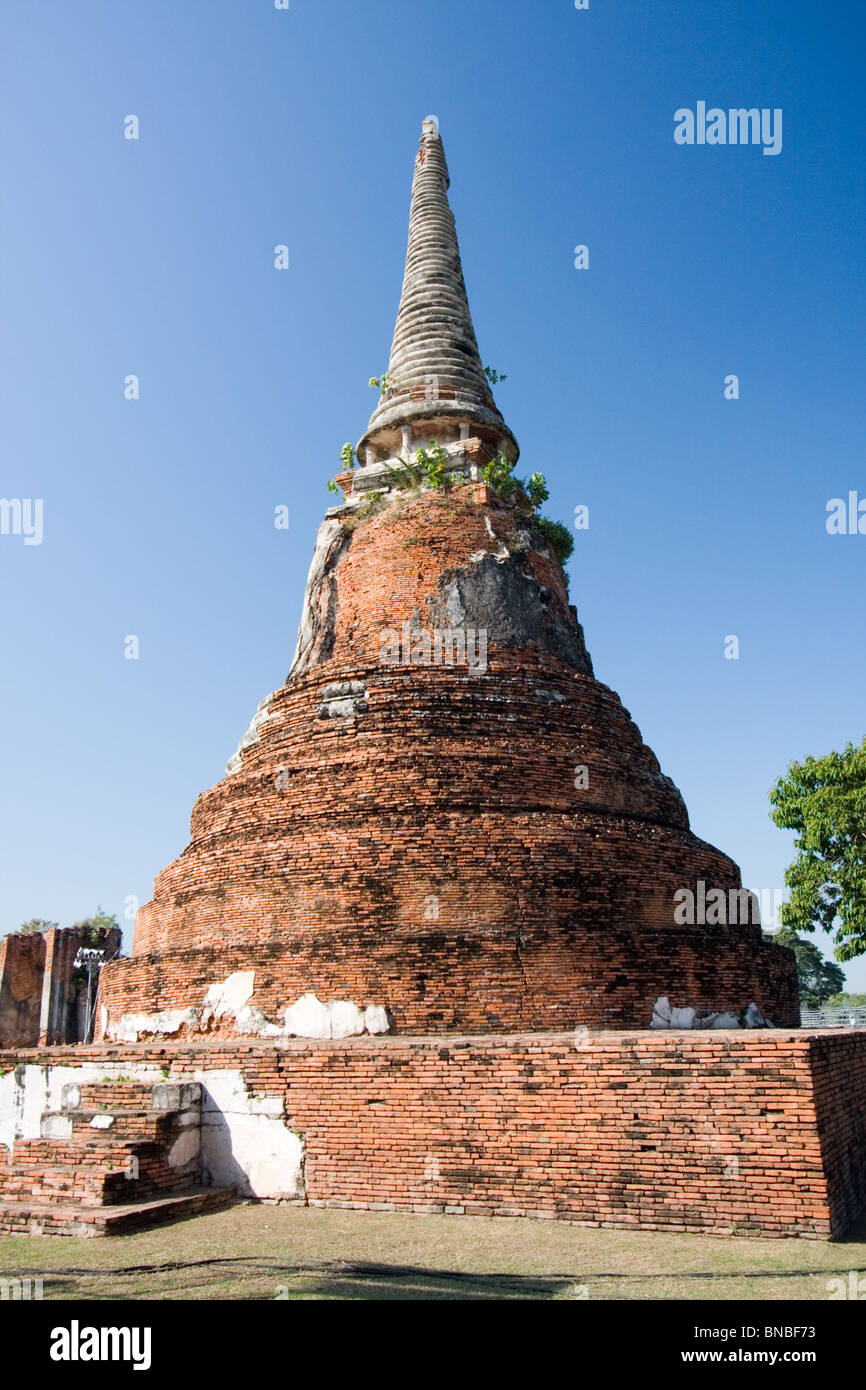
(252, 1279)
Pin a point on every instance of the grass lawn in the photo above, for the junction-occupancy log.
(252, 1251)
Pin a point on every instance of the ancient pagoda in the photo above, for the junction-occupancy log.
(442, 821)
(424, 950)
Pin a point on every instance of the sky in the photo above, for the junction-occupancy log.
(154, 257)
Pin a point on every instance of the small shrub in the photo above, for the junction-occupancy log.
(498, 474)
(536, 490)
(558, 537)
(434, 462)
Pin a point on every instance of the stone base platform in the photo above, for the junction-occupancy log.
(760, 1132)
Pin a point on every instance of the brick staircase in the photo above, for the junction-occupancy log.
(118, 1156)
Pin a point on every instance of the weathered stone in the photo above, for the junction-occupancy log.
(261, 715)
(661, 1013)
(753, 1018)
(376, 1019)
(71, 1096)
(347, 1020)
(56, 1126)
(682, 1018)
(308, 1018)
(435, 372)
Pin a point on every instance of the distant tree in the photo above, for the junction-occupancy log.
(846, 1001)
(99, 922)
(819, 979)
(36, 924)
(824, 801)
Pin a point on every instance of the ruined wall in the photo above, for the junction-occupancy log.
(42, 994)
(757, 1132)
(22, 962)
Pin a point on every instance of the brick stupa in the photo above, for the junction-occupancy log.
(408, 960)
(409, 836)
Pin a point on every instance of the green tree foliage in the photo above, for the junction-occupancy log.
(36, 924)
(846, 1001)
(824, 801)
(819, 979)
(99, 922)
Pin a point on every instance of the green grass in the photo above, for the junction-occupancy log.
(252, 1251)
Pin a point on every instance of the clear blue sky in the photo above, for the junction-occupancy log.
(155, 257)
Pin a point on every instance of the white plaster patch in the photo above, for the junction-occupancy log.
(347, 1020)
(232, 994)
(102, 1122)
(245, 1142)
(308, 1018)
(376, 1019)
(261, 715)
(231, 999)
(339, 1018)
(133, 1026)
(251, 1020)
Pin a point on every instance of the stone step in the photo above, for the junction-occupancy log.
(106, 1150)
(80, 1151)
(98, 1172)
(95, 1187)
(109, 1124)
(160, 1096)
(30, 1216)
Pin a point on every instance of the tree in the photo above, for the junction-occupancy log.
(847, 1001)
(818, 978)
(824, 801)
(99, 922)
(36, 924)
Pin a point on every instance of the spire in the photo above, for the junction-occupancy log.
(435, 372)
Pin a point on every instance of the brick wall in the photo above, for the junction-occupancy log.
(759, 1132)
(42, 994)
(22, 962)
(839, 1082)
